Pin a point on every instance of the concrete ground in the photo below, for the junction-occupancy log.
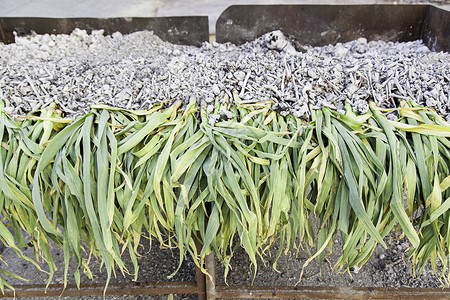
(155, 8)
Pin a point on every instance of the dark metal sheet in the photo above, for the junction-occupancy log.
(319, 25)
(316, 292)
(177, 30)
(436, 30)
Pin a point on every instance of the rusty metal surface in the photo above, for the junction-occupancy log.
(308, 292)
(177, 30)
(200, 276)
(200, 284)
(96, 289)
(320, 25)
(211, 280)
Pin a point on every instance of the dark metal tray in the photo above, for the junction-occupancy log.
(319, 25)
(177, 30)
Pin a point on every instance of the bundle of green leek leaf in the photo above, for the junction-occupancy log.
(97, 184)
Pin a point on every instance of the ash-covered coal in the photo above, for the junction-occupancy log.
(137, 70)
